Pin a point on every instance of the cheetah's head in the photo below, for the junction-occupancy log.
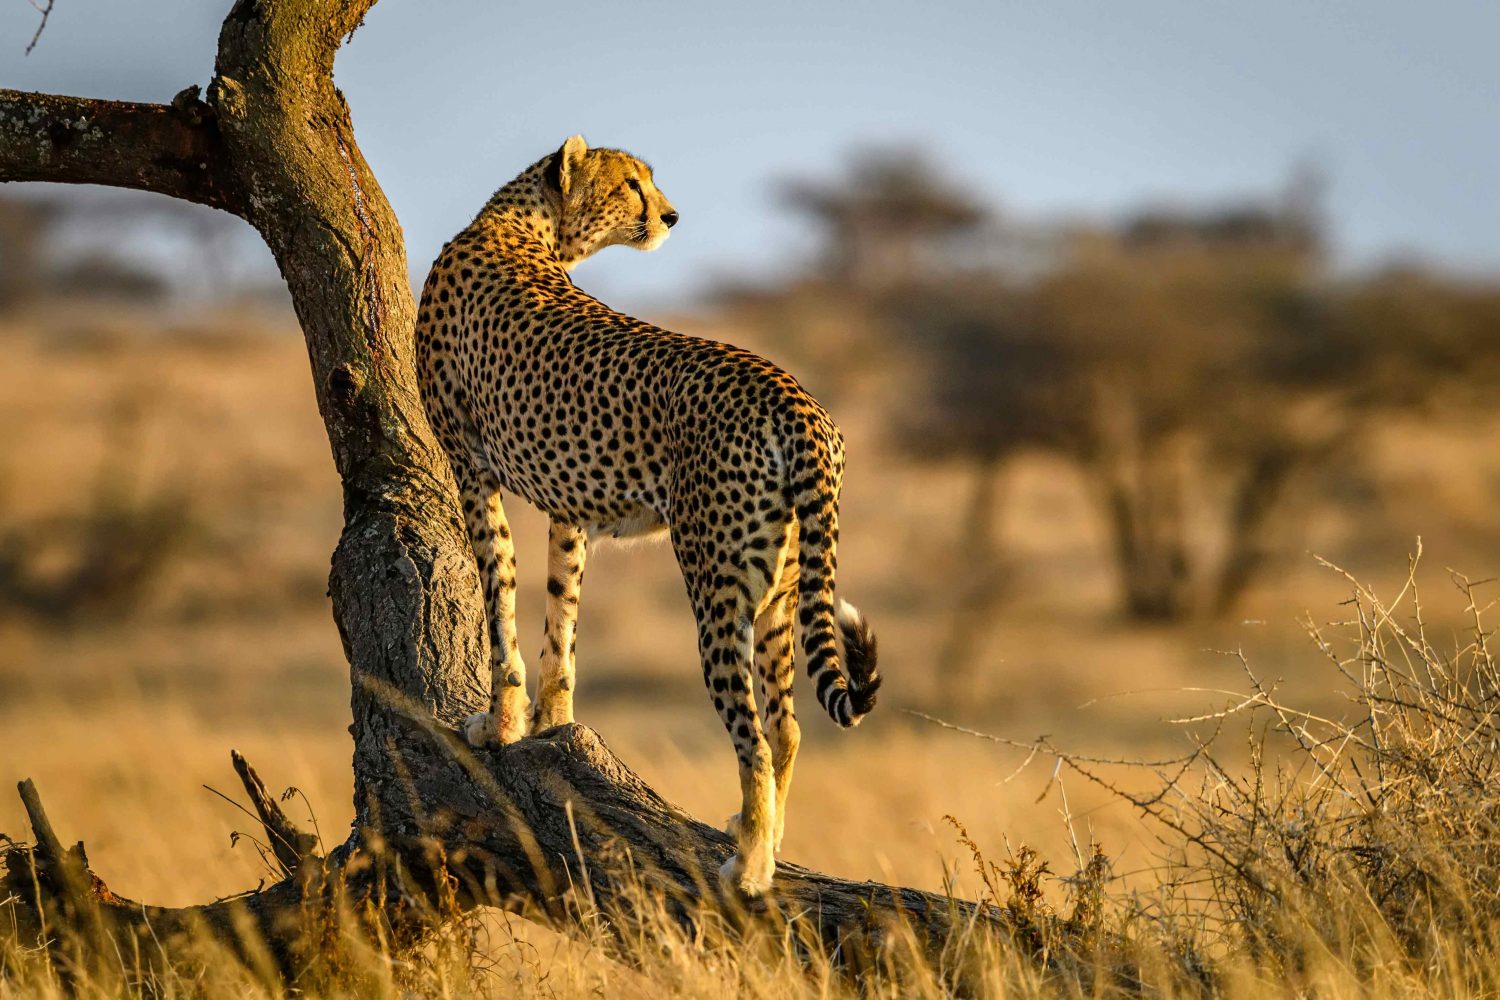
(604, 197)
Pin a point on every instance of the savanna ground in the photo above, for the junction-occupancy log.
(204, 427)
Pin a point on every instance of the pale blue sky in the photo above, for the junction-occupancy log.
(1055, 108)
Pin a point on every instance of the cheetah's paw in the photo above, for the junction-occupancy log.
(750, 881)
(480, 730)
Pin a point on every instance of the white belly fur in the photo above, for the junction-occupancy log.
(639, 524)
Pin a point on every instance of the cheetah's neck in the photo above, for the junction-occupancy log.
(522, 212)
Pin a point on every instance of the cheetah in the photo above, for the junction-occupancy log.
(616, 429)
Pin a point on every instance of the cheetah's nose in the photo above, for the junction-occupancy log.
(670, 218)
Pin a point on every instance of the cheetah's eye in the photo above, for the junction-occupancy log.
(635, 186)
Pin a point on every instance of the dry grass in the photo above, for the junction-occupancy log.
(229, 645)
(1354, 854)
(1344, 857)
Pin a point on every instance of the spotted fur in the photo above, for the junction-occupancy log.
(616, 428)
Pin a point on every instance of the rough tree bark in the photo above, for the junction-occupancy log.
(272, 142)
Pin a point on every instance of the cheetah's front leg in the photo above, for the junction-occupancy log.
(567, 548)
(495, 553)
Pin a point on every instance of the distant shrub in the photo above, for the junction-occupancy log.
(100, 561)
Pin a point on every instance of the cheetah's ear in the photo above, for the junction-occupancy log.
(565, 163)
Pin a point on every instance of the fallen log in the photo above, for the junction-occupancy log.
(556, 828)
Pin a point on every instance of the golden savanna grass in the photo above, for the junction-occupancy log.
(1323, 828)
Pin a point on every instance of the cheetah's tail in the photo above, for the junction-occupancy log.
(858, 648)
(828, 637)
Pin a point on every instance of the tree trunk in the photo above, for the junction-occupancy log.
(1253, 499)
(439, 827)
(978, 590)
(1137, 477)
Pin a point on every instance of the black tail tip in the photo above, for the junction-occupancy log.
(860, 653)
(862, 697)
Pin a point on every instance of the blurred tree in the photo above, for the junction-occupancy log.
(1180, 360)
(103, 561)
(1200, 344)
(24, 224)
(990, 383)
(116, 246)
(102, 275)
(891, 219)
(1422, 335)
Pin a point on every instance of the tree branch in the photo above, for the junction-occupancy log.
(46, 12)
(290, 845)
(348, 15)
(172, 149)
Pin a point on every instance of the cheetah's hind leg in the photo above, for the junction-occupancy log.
(774, 665)
(725, 636)
(750, 870)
